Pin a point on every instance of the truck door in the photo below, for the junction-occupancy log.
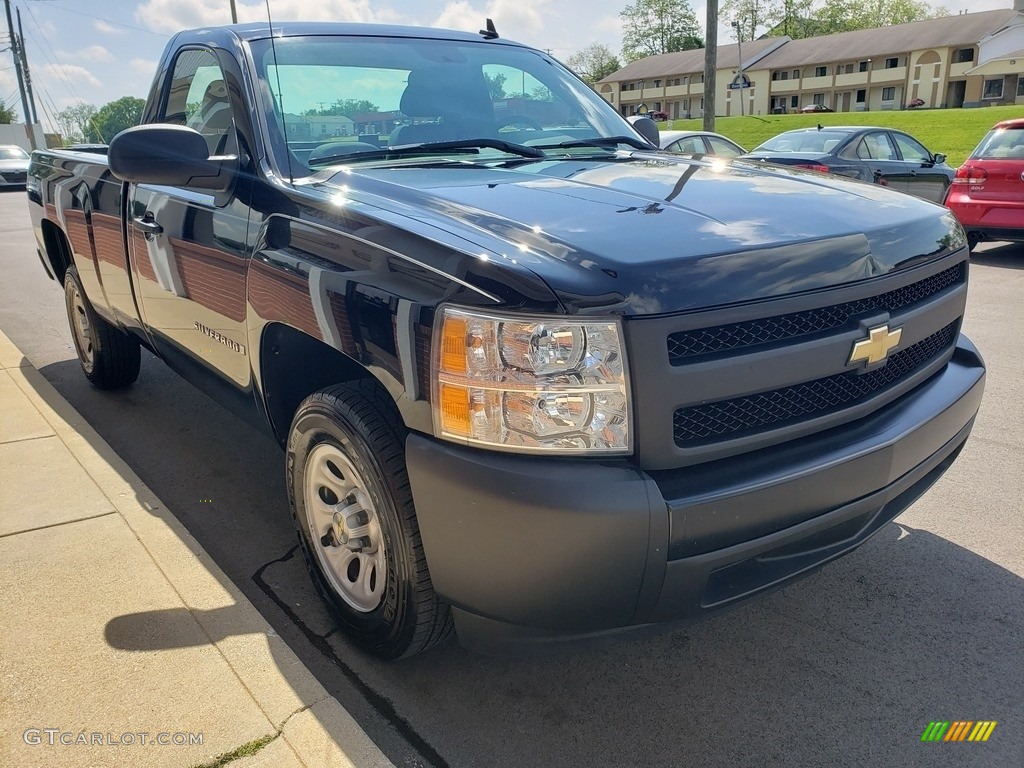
(189, 246)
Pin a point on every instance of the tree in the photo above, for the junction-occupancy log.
(594, 63)
(807, 18)
(7, 115)
(73, 121)
(113, 118)
(495, 85)
(650, 27)
(751, 15)
(346, 107)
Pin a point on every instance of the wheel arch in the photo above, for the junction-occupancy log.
(294, 365)
(58, 249)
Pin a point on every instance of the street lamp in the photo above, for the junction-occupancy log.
(739, 50)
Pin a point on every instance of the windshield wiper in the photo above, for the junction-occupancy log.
(599, 141)
(431, 148)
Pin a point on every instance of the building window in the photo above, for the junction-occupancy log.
(632, 86)
(888, 94)
(796, 74)
(892, 63)
(794, 101)
(993, 89)
(864, 66)
(963, 56)
(860, 96)
(819, 98)
(657, 83)
(1020, 87)
(686, 80)
(820, 71)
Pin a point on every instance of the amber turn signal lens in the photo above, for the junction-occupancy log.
(453, 345)
(455, 408)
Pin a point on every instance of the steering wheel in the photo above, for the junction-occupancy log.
(528, 122)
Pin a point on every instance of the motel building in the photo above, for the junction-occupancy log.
(968, 60)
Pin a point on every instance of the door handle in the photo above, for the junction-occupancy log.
(147, 225)
(913, 173)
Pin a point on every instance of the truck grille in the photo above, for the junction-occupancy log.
(742, 416)
(685, 346)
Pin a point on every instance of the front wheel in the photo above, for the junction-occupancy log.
(352, 508)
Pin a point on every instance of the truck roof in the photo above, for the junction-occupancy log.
(260, 30)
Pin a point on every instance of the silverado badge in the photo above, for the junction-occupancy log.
(875, 348)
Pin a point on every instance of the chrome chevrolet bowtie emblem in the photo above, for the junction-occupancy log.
(875, 348)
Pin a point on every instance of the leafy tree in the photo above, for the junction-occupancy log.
(808, 18)
(753, 16)
(113, 118)
(7, 115)
(346, 107)
(650, 27)
(495, 85)
(594, 62)
(73, 121)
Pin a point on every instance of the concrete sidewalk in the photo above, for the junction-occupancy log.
(121, 642)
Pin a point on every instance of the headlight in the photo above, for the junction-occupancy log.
(534, 384)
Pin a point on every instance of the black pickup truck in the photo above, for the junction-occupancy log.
(422, 261)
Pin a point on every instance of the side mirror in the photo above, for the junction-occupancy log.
(646, 128)
(173, 155)
(939, 158)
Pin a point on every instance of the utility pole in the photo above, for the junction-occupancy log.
(28, 74)
(710, 64)
(738, 26)
(234, 13)
(17, 66)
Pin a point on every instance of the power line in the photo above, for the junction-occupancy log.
(101, 18)
(55, 62)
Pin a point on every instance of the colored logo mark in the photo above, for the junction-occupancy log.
(958, 730)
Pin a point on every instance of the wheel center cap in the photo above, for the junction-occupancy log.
(340, 534)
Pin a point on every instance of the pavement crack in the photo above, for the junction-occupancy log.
(245, 750)
(384, 706)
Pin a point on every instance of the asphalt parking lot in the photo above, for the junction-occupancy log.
(846, 668)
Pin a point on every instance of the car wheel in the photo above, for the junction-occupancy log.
(110, 358)
(352, 508)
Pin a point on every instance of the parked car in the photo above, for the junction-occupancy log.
(987, 193)
(915, 103)
(891, 158)
(816, 108)
(13, 165)
(700, 143)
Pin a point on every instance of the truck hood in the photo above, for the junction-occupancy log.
(652, 233)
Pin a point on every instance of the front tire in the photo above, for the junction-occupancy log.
(109, 357)
(352, 507)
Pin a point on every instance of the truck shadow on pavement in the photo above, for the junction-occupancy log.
(846, 667)
(1004, 255)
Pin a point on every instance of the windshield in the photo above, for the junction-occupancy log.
(1004, 142)
(13, 153)
(331, 100)
(805, 141)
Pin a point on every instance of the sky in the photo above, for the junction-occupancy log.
(83, 50)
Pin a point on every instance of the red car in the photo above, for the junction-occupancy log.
(987, 193)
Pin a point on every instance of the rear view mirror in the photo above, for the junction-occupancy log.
(939, 158)
(173, 155)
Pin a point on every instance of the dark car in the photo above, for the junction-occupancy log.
(987, 194)
(816, 108)
(891, 158)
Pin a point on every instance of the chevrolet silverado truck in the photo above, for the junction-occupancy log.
(414, 257)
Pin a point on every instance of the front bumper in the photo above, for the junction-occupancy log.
(538, 551)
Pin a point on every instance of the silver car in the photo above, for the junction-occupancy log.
(700, 143)
(13, 165)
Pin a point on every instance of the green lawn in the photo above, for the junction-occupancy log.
(953, 131)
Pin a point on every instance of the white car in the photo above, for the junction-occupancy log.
(700, 143)
(13, 165)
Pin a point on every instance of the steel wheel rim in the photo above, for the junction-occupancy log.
(344, 528)
(82, 329)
